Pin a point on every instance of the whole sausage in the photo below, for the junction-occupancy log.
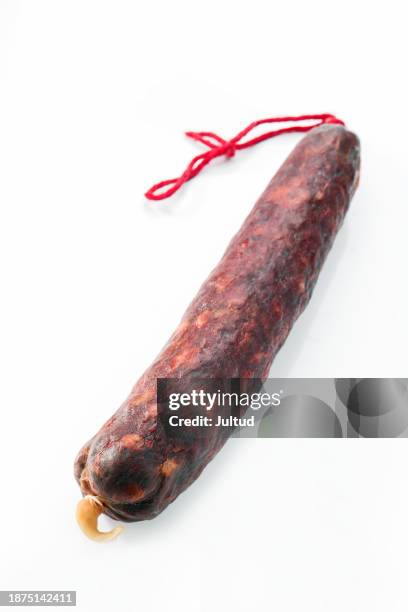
(232, 329)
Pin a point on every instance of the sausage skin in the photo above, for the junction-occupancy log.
(233, 328)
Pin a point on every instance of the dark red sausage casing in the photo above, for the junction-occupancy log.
(233, 328)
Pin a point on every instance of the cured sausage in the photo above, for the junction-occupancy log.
(233, 328)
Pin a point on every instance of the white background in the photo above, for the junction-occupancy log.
(94, 99)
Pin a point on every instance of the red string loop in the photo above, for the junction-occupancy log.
(218, 147)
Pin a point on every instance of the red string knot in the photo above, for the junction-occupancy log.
(218, 146)
(228, 149)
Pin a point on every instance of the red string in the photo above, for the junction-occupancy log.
(217, 147)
